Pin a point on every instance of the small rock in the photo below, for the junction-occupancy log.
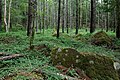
(116, 65)
(59, 50)
(91, 62)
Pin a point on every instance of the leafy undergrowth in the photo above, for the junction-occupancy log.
(18, 42)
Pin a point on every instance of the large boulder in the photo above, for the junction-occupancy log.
(101, 38)
(95, 66)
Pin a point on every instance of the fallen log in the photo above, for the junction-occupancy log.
(2, 53)
(13, 56)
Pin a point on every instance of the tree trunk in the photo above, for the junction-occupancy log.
(118, 18)
(93, 16)
(67, 15)
(107, 21)
(77, 23)
(81, 13)
(5, 22)
(58, 18)
(29, 18)
(63, 16)
(43, 16)
(0, 15)
(115, 21)
(86, 14)
(9, 14)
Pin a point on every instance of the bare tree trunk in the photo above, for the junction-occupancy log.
(115, 21)
(81, 15)
(29, 19)
(107, 21)
(5, 22)
(9, 14)
(93, 16)
(63, 15)
(58, 28)
(77, 22)
(67, 15)
(0, 15)
(43, 16)
(118, 18)
(86, 14)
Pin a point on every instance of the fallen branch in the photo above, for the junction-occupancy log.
(13, 56)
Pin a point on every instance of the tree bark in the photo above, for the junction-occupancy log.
(63, 15)
(81, 13)
(5, 12)
(118, 18)
(77, 22)
(0, 15)
(67, 16)
(43, 22)
(58, 18)
(93, 16)
(9, 14)
(29, 18)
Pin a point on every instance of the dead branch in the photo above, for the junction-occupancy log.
(13, 56)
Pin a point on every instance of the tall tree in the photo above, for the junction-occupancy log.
(29, 18)
(67, 15)
(9, 17)
(107, 16)
(43, 16)
(81, 13)
(0, 15)
(93, 16)
(32, 16)
(118, 18)
(5, 14)
(58, 27)
(63, 6)
(77, 22)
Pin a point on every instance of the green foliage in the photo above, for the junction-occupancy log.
(35, 59)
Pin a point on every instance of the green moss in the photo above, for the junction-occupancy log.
(101, 38)
(80, 37)
(119, 73)
(95, 66)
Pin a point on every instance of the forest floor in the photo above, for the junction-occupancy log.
(24, 68)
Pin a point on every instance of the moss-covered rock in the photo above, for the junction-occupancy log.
(95, 66)
(101, 38)
(119, 73)
(61, 56)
